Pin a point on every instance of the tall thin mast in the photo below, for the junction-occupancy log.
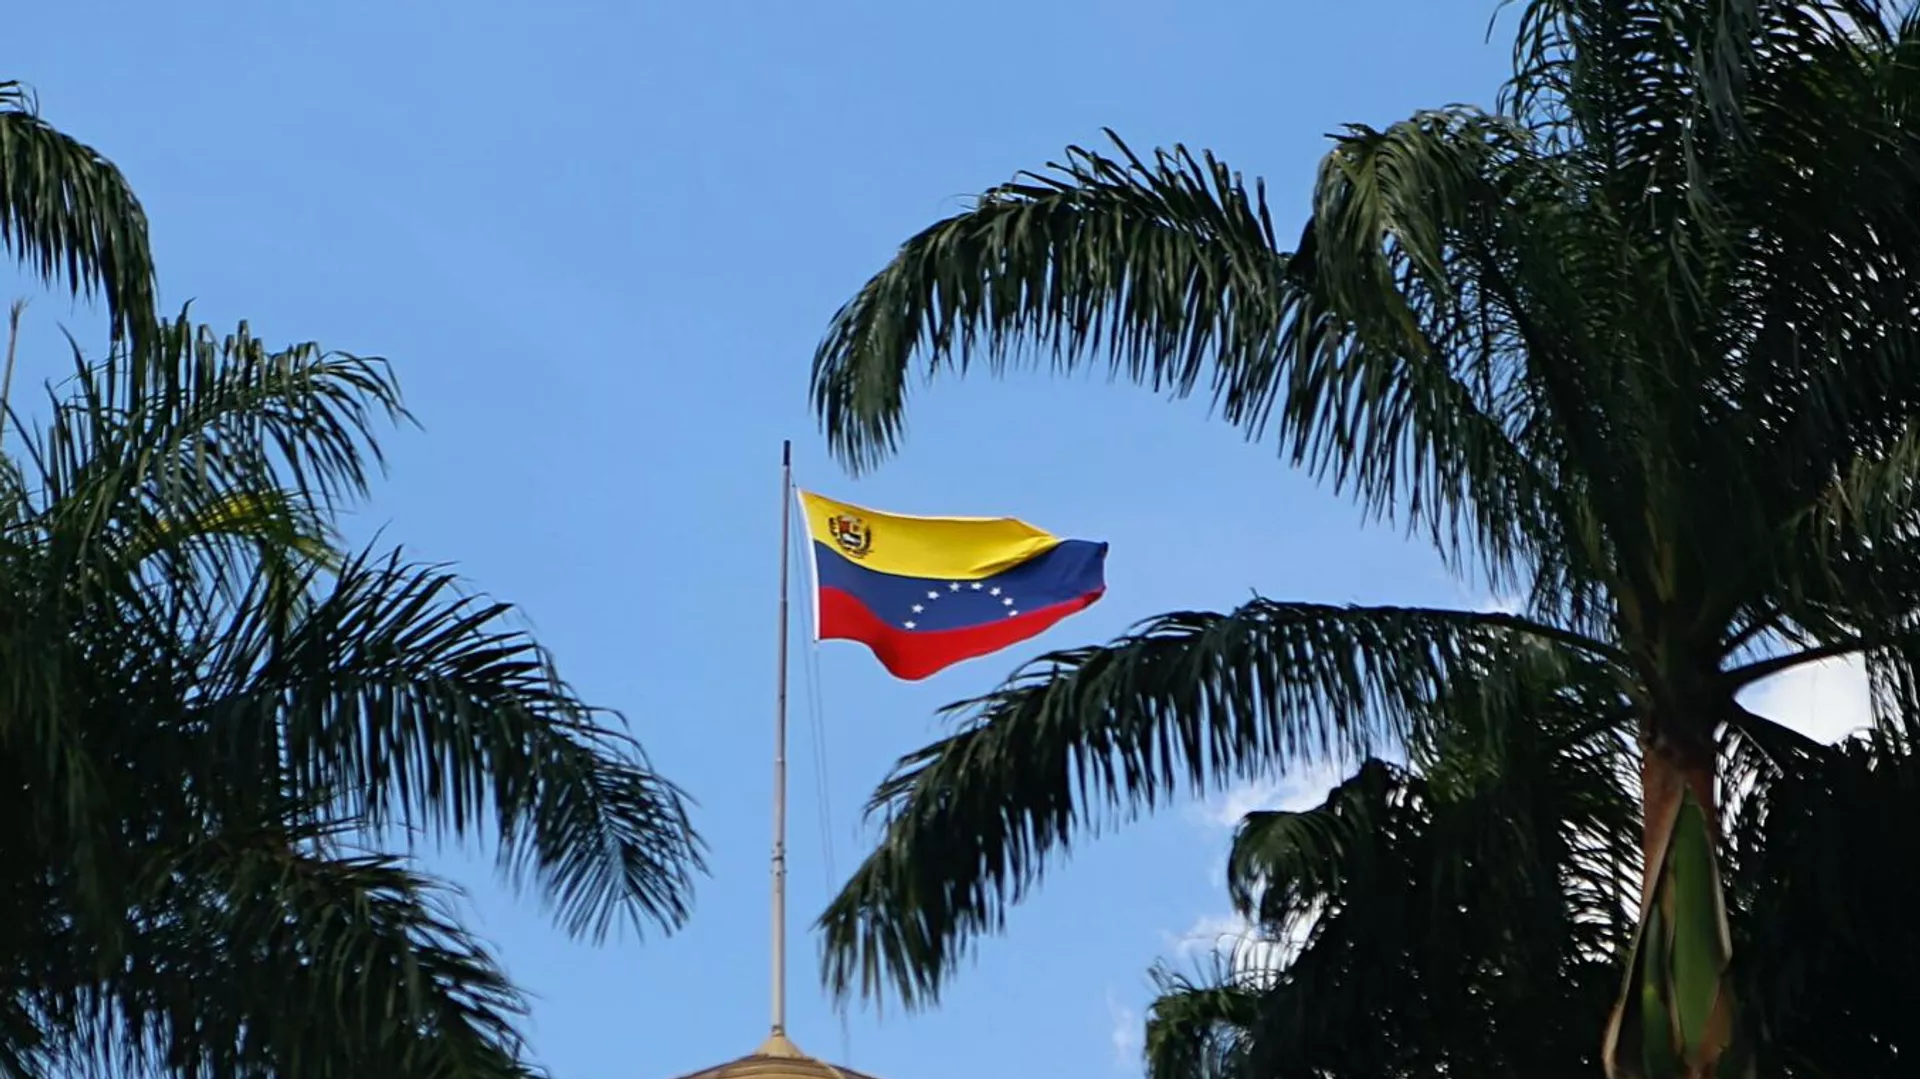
(780, 756)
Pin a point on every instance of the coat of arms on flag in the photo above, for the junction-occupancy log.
(851, 534)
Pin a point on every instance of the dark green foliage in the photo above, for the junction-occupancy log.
(68, 215)
(1823, 866)
(1638, 347)
(1466, 914)
(1458, 915)
(210, 715)
(1099, 734)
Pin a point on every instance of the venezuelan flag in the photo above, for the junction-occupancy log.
(925, 593)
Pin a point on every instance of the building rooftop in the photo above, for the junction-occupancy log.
(777, 1058)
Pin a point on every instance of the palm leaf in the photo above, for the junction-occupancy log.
(160, 499)
(1642, 345)
(420, 708)
(1386, 353)
(1163, 265)
(1092, 735)
(1197, 1028)
(188, 656)
(68, 215)
(1802, 866)
(307, 961)
(214, 412)
(1460, 915)
(1284, 865)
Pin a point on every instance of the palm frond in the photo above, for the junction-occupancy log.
(1101, 734)
(242, 940)
(1429, 311)
(187, 657)
(1624, 79)
(1285, 865)
(68, 215)
(417, 706)
(1642, 345)
(1198, 1027)
(1460, 914)
(273, 520)
(1388, 353)
(1165, 265)
(1811, 861)
(176, 474)
(306, 961)
(209, 411)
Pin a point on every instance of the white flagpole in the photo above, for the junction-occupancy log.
(780, 756)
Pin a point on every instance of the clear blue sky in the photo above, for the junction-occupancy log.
(600, 241)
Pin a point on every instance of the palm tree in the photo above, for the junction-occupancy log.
(1639, 346)
(67, 214)
(1462, 914)
(1442, 930)
(211, 719)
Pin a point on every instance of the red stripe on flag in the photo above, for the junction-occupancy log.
(913, 655)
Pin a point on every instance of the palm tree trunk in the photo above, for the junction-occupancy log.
(1675, 1017)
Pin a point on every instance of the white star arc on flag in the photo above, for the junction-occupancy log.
(996, 591)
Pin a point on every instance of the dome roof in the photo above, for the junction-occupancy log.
(777, 1058)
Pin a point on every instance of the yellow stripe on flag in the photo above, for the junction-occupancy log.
(936, 548)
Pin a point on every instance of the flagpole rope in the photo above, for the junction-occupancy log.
(814, 698)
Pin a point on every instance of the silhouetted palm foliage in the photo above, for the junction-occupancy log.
(1822, 865)
(1640, 347)
(1462, 914)
(1439, 935)
(209, 718)
(67, 214)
